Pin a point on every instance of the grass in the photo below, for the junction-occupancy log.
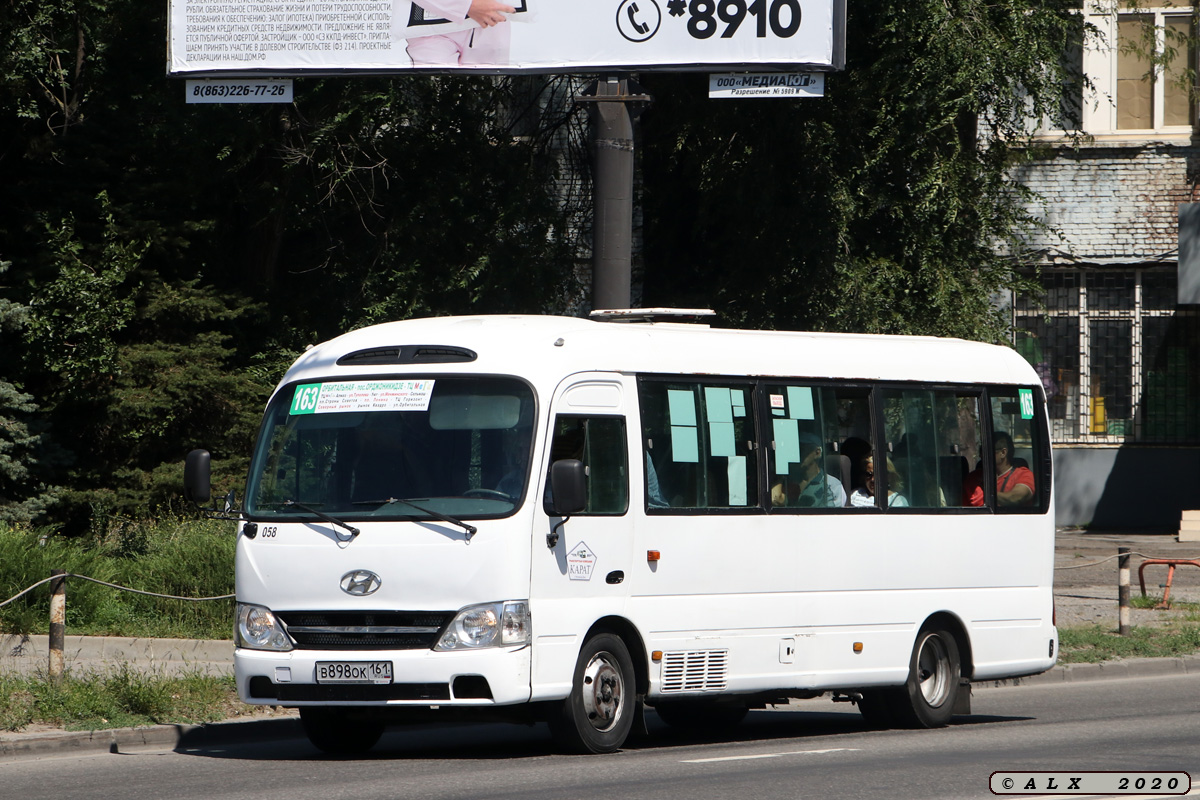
(187, 558)
(1096, 643)
(1175, 633)
(184, 557)
(1151, 601)
(122, 697)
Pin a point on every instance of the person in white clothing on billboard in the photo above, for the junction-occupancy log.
(487, 45)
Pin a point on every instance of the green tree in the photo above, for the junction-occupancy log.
(413, 196)
(24, 454)
(884, 206)
(175, 258)
(137, 370)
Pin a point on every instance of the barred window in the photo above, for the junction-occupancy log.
(1117, 358)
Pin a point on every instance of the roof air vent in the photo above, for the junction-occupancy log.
(684, 315)
(408, 354)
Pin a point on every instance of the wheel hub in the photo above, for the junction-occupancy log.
(602, 692)
(933, 671)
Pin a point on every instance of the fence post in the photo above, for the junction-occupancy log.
(1123, 591)
(58, 616)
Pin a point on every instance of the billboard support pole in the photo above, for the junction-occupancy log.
(613, 103)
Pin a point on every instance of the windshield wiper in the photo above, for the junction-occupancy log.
(470, 529)
(322, 515)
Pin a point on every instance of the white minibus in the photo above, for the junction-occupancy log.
(570, 520)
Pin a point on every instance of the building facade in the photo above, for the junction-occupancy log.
(1115, 341)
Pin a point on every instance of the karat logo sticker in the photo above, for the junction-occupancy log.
(580, 562)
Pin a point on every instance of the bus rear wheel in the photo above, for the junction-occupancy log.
(334, 731)
(927, 698)
(598, 714)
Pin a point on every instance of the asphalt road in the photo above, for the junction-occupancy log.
(822, 751)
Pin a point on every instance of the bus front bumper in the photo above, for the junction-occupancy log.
(486, 677)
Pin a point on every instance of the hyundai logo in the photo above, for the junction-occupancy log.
(360, 582)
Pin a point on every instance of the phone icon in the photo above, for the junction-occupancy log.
(638, 20)
(641, 27)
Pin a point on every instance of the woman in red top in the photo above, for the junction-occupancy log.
(1014, 485)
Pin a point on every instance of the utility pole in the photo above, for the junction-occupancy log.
(613, 104)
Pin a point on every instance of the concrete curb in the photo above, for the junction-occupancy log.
(185, 737)
(1104, 671)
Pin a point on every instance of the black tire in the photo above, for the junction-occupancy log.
(597, 715)
(701, 715)
(927, 698)
(335, 731)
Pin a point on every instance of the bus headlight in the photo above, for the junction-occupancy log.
(503, 624)
(258, 629)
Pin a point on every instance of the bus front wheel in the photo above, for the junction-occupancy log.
(927, 698)
(598, 714)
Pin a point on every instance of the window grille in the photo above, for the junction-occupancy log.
(1117, 358)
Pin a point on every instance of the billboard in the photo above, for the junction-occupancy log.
(282, 37)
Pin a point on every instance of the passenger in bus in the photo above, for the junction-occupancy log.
(864, 496)
(1014, 483)
(856, 449)
(920, 469)
(654, 495)
(807, 485)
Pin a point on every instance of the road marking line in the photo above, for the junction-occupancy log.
(769, 755)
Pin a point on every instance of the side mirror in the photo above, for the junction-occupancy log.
(197, 477)
(568, 486)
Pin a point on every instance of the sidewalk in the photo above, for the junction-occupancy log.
(1085, 592)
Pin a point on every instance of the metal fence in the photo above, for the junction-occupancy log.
(1119, 360)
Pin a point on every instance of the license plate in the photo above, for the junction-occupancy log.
(354, 672)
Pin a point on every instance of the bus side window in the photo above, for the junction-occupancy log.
(960, 438)
(807, 465)
(1017, 449)
(599, 442)
(854, 429)
(699, 443)
(932, 440)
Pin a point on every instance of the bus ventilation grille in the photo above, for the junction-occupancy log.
(695, 671)
(372, 630)
(408, 354)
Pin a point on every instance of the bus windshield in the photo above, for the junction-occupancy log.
(365, 448)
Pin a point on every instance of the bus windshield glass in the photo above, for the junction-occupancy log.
(370, 448)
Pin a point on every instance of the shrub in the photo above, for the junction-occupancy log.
(187, 558)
